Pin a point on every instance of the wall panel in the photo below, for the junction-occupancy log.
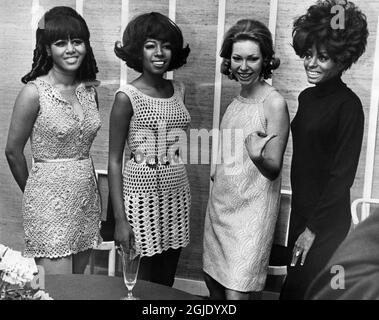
(372, 8)
(198, 22)
(16, 53)
(104, 21)
(289, 78)
(359, 79)
(48, 4)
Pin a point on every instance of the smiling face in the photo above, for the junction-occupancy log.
(319, 67)
(67, 55)
(246, 62)
(156, 56)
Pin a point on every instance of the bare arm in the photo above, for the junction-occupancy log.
(121, 114)
(267, 150)
(24, 114)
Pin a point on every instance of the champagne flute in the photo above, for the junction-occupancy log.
(130, 265)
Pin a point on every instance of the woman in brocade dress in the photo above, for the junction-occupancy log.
(244, 202)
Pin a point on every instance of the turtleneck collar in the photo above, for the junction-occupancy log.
(329, 86)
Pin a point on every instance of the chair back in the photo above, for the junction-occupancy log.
(365, 209)
(277, 265)
(283, 221)
(102, 182)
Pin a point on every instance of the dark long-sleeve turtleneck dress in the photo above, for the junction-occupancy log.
(327, 136)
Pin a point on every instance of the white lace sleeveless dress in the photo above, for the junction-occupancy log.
(61, 203)
(157, 198)
(243, 206)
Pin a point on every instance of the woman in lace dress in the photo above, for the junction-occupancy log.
(57, 109)
(244, 202)
(151, 198)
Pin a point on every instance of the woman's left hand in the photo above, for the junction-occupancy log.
(302, 246)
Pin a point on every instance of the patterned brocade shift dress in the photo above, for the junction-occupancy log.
(155, 184)
(243, 206)
(61, 203)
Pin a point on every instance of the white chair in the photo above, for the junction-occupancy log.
(107, 246)
(365, 211)
(102, 179)
(281, 231)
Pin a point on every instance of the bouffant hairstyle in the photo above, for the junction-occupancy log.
(61, 23)
(248, 29)
(151, 25)
(316, 27)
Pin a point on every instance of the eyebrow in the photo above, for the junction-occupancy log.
(68, 39)
(249, 56)
(324, 52)
(155, 41)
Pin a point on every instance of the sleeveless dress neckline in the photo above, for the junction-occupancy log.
(156, 98)
(59, 95)
(256, 100)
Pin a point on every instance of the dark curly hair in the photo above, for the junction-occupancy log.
(249, 29)
(155, 26)
(56, 24)
(344, 46)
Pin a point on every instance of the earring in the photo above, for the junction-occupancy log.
(231, 75)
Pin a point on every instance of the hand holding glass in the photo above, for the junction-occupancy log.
(130, 265)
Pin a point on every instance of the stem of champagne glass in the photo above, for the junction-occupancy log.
(130, 294)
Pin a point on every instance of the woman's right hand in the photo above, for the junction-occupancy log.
(255, 144)
(123, 234)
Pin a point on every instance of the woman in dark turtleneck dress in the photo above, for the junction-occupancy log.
(327, 136)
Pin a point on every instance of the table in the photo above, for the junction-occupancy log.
(99, 287)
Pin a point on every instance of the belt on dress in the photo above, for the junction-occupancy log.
(60, 159)
(152, 161)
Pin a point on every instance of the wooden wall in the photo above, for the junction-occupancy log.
(199, 23)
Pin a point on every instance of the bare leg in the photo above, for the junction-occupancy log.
(56, 266)
(80, 261)
(236, 295)
(216, 290)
